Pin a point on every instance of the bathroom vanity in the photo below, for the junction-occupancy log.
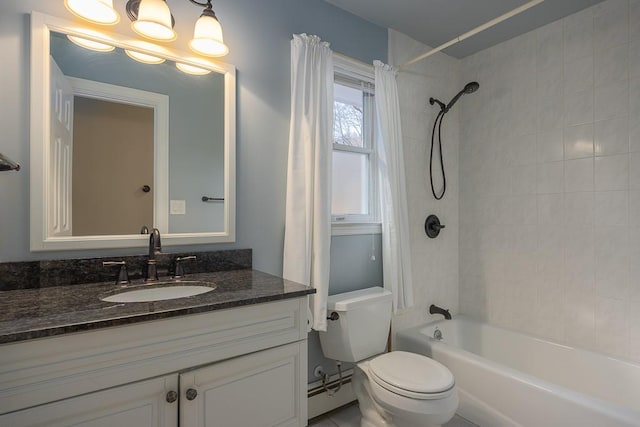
(235, 356)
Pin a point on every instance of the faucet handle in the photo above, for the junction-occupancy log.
(123, 274)
(179, 268)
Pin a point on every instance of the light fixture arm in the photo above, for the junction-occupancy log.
(207, 37)
(133, 6)
(208, 4)
(208, 11)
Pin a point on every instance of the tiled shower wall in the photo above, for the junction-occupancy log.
(434, 261)
(550, 181)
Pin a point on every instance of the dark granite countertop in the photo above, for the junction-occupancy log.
(35, 313)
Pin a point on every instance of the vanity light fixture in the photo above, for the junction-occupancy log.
(191, 69)
(90, 44)
(152, 19)
(96, 11)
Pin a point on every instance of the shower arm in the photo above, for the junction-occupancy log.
(440, 103)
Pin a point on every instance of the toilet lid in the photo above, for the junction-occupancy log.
(411, 372)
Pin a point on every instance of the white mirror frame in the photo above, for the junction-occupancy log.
(41, 27)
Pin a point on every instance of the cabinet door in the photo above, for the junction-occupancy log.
(139, 404)
(263, 389)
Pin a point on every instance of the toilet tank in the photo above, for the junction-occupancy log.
(362, 329)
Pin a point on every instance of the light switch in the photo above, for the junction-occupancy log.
(177, 207)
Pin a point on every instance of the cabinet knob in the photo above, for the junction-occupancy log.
(191, 394)
(172, 396)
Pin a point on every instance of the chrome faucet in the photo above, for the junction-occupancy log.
(155, 247)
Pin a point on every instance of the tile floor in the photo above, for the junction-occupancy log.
(349, 416)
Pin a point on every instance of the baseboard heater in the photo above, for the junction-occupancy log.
(320, 402)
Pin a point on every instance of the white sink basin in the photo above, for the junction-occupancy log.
(158, 293)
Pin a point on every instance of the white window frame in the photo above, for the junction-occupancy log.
(349, 69)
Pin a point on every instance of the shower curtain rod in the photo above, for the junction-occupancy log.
(475, 31)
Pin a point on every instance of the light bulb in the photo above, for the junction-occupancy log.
(154, 21)
(207, 36)
(97, 11)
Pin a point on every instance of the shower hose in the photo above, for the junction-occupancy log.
(438, 124)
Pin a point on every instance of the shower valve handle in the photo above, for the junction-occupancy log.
(432, 226)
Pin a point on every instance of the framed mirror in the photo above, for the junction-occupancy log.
(126, 138)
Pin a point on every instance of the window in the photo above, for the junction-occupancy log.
(354, 175)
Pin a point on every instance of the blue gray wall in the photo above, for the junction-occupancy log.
(356, 263)
(258, 34)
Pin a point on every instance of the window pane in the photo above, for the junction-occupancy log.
(348, 123)
(350, 184)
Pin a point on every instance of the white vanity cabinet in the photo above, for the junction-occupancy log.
(238, 367)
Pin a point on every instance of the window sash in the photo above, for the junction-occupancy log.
(368, 94)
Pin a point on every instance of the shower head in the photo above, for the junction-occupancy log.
(468, 88)
(471, 87)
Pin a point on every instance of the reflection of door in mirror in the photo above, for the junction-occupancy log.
(59, 204)
(112, 162)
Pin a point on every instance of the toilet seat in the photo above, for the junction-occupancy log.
(411, 375)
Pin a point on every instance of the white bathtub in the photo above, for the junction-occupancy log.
(505, 378)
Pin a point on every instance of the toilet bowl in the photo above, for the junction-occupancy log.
(396, 389)
(409, 390)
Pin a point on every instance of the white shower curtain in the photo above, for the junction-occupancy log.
(396, 256)
(307, 237)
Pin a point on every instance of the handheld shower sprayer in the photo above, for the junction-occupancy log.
(468, 88)
(444, 109)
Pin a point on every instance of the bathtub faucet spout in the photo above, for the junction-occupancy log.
(434, 309)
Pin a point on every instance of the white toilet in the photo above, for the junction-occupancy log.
(396, 389)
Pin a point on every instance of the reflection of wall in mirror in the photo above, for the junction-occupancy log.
(111, 164)
(196, 125)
